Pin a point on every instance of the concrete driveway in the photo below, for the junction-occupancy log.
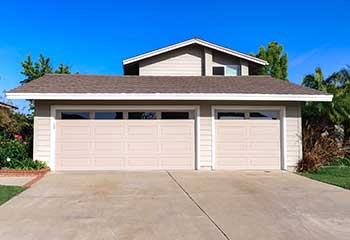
(177, 205)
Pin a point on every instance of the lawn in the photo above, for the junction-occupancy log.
(336, 175)
(7, 192)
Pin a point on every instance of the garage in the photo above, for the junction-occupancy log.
(247, 139)
(125, 139)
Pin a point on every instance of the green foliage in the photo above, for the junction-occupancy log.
(341, 161)
(277, 59)
(337, 111)
(26, 164)
(33, 70)
(12, 150)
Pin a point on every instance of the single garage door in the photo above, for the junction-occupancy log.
(247, 140)
(125, 140)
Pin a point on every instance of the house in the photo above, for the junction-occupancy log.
(7, 106)
(191, 105)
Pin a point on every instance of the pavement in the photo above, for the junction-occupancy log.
(15, 181)
(177, 205)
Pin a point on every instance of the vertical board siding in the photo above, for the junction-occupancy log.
(294, 134)
(183, 62)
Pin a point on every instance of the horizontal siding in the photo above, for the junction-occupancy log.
(205, 135)
(294, 134)
(182, 62)
(42, 138)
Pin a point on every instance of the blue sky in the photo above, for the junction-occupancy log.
(94, 36)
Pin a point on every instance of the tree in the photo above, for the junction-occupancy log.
(336, 112)
(277, 59)
(33, 70)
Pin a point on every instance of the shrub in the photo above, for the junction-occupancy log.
(340, 161)
(26, 164)
(12, 149)
(14, 154)
(321, 146)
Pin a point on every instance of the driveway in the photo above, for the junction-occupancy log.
(177, 205)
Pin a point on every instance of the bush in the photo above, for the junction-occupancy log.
(14, 154)
(340, 161)
(13, 150)
(321, 146)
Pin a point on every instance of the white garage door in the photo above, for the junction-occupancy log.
(247, 140)
(128, 140)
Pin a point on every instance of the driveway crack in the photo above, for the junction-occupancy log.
(197, 204)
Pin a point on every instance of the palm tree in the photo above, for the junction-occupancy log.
(336, 112)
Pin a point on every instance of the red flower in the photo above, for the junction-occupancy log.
(19, 137)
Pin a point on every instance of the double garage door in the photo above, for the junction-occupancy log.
(124, 140)
(96, 140)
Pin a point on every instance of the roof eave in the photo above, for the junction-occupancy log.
(195, 41)
(172, 96)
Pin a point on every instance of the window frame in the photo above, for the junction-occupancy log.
(225, 69)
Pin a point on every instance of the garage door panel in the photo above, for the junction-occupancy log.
(124, 144)
(247, 144)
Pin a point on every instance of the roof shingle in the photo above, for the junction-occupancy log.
(80, 83)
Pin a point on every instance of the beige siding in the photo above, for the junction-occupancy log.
(244, 68)
(293, 121)
(294, 134)
(183, 62)
(205, 135)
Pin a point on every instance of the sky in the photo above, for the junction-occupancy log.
(93, 37)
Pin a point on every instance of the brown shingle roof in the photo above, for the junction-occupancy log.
(79, 83)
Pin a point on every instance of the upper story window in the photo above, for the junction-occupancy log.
(219, 71)
(228, 70)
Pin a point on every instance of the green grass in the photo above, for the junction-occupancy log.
(336, 175)
(7, 192)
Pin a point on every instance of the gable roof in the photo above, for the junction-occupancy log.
(108, 87)
(199, 42)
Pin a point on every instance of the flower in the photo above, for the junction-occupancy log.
(8, 159)
(19, 137)
(25, 143)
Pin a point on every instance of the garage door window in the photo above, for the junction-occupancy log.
(75, 115)
(230, 115)
(175, 115)
(108, 115)
(263, 115)
(142, 115)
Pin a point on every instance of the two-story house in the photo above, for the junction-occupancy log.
(191, 105)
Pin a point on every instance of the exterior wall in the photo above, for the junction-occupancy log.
(41, 143)
(189, 61)
(182, 62)
(294, 134)
(293, 125)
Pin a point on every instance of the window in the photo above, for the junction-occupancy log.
(75, 115)
(108, 115)
(218, 71)
(230, 115)
(231, 70)
(175, 115)
(142, 115)
(263, 115)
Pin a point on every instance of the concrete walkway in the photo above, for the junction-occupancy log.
(177, 205)
(15, 181)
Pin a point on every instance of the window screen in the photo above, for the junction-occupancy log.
(218, 71)
(175, 115)
(142, 115)
(75, 115)
(230, 115)
(108, 115)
